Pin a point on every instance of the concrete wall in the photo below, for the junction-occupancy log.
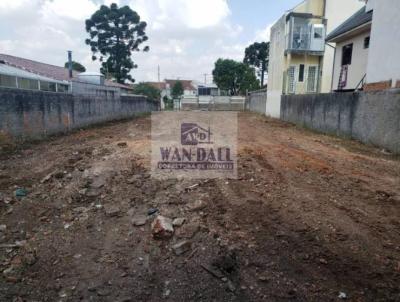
(359, 60)
(216, 103)
(257, 101)
(276, 67)
(370, 117)
(32, 114)
(383, 62)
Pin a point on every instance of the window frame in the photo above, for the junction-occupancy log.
(301, 75)
(349, 48)
(367, 41)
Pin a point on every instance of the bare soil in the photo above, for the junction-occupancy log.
(311, 218)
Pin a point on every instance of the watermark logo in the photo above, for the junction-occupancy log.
(194, 145)
(194, 134)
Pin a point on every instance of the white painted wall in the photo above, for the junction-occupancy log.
(336, 12)
(384, 53)
(358, 67)
(276, 68)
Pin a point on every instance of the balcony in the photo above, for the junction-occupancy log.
(305, 35)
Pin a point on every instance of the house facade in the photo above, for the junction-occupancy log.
(352, 43)
(383, 68)
(300, 62)
(367, 48)
(189, 88)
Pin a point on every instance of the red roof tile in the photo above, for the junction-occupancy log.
(187, 84)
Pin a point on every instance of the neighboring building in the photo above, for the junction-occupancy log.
(16, 72)
(352, 40)
(189, 89)
(383, 69)
(163, 91)
(299, 61)
(12, 77)
(368, 48)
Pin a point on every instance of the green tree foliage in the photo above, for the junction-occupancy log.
(235, 77)
(148, 90)
(115, 32)
(76, 66)
(169, 104)
(257, 55)
(177, 90)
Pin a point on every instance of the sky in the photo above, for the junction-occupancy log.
(186, 37)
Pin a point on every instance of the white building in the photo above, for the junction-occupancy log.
(300, 62)
(368, 48)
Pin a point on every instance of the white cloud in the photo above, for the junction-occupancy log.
(74, 9)
(12, 5)
(263, 35)
(186, 37)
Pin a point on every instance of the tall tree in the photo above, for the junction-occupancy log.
(257, 55)
(115, 32)
(148, 90)
(76, 66)
(177, 90)
(235, 77)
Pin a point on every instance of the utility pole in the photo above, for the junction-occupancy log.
(158, 73)
(205, 79)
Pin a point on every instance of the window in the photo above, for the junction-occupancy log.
(366, 42)
(347, 53)
(301, 73)
(291, 79)
(44, 86)
(204, 91)
(62, 88)
(7, 81)
(318, 32)
(28, 84)
(312, 79)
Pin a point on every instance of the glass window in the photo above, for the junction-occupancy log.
(318, 33)
(366, 42)
(24, 83)
(347, 53)
(44, 86)
(52, 87)
(7, 81)
(312, 79)
(62, 88)
(301, 73)
(291, 79)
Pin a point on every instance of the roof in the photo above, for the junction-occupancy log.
(47, 70)
(16, 72)
(358, 19)
(187, 84)
(158, 85)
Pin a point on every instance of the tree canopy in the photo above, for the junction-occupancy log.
(236, 77)
(148, 90)
(115, 32)
(177, 90)
(257, 55)
(76, 66)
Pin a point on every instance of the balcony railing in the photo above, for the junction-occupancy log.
(305, 36)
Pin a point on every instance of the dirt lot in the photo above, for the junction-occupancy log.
(311, 218)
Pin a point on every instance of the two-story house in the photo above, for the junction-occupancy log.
(300, 61)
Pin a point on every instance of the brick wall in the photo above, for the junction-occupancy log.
(378, 86)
